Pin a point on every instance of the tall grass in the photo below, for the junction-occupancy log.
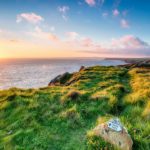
(62, 117)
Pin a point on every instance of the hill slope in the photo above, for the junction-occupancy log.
(59, 117)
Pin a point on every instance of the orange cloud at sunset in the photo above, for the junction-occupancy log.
(43, 44)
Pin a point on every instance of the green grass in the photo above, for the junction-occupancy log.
(61, 117)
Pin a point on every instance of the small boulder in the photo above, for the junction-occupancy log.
(114, 133)
(60, 79)
(54, 81)
(82, 68)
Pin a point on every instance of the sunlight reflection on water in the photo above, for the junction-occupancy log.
(29, 73)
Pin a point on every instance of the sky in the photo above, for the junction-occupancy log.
(74, 28)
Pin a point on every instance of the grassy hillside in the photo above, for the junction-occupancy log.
(61, 117)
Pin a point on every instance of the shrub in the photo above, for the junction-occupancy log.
(73, 95)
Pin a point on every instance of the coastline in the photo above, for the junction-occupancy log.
(128, 63)
(70, 108)
(35, 73)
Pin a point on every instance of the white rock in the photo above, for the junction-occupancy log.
(114, 133)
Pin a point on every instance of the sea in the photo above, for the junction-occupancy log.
(35, 73)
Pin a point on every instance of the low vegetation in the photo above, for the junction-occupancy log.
(61, 117)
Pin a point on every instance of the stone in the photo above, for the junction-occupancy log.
(55, 80)
(60, 79)
(82, 68)
(114, 133)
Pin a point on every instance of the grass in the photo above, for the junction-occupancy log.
(62, 117)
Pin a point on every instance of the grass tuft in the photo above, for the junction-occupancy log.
(61, 117)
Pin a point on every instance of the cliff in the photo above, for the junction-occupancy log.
(59, 116)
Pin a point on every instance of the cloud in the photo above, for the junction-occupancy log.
(116, 12)
(95, 2)
(65, 17)
(77, 41)
(52, 28)
(63, 10)
(10, 39)
(130, 45)
(72, 35)
(29, 17)
(8, 35)
(87, 42)
(129, 42)
(124, 23)
(15, 41)
(91, 2)
(40, 34)
(126, 46)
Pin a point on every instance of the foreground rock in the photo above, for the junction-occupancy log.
(114, 133)
(60, 79)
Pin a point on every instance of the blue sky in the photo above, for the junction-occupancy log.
(67, 28)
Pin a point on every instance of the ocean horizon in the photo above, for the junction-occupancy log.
(36, 73)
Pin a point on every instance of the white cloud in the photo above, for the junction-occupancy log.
(9, 35)
(116, 12)
(40, 34)
(126, 46)
(95, 2)
(65, 17)
(124, 23)
(63, 10)
(29, 17)
(129, 42)
(87, 42)
(52, 28)
(91, 2)
(72, 35)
